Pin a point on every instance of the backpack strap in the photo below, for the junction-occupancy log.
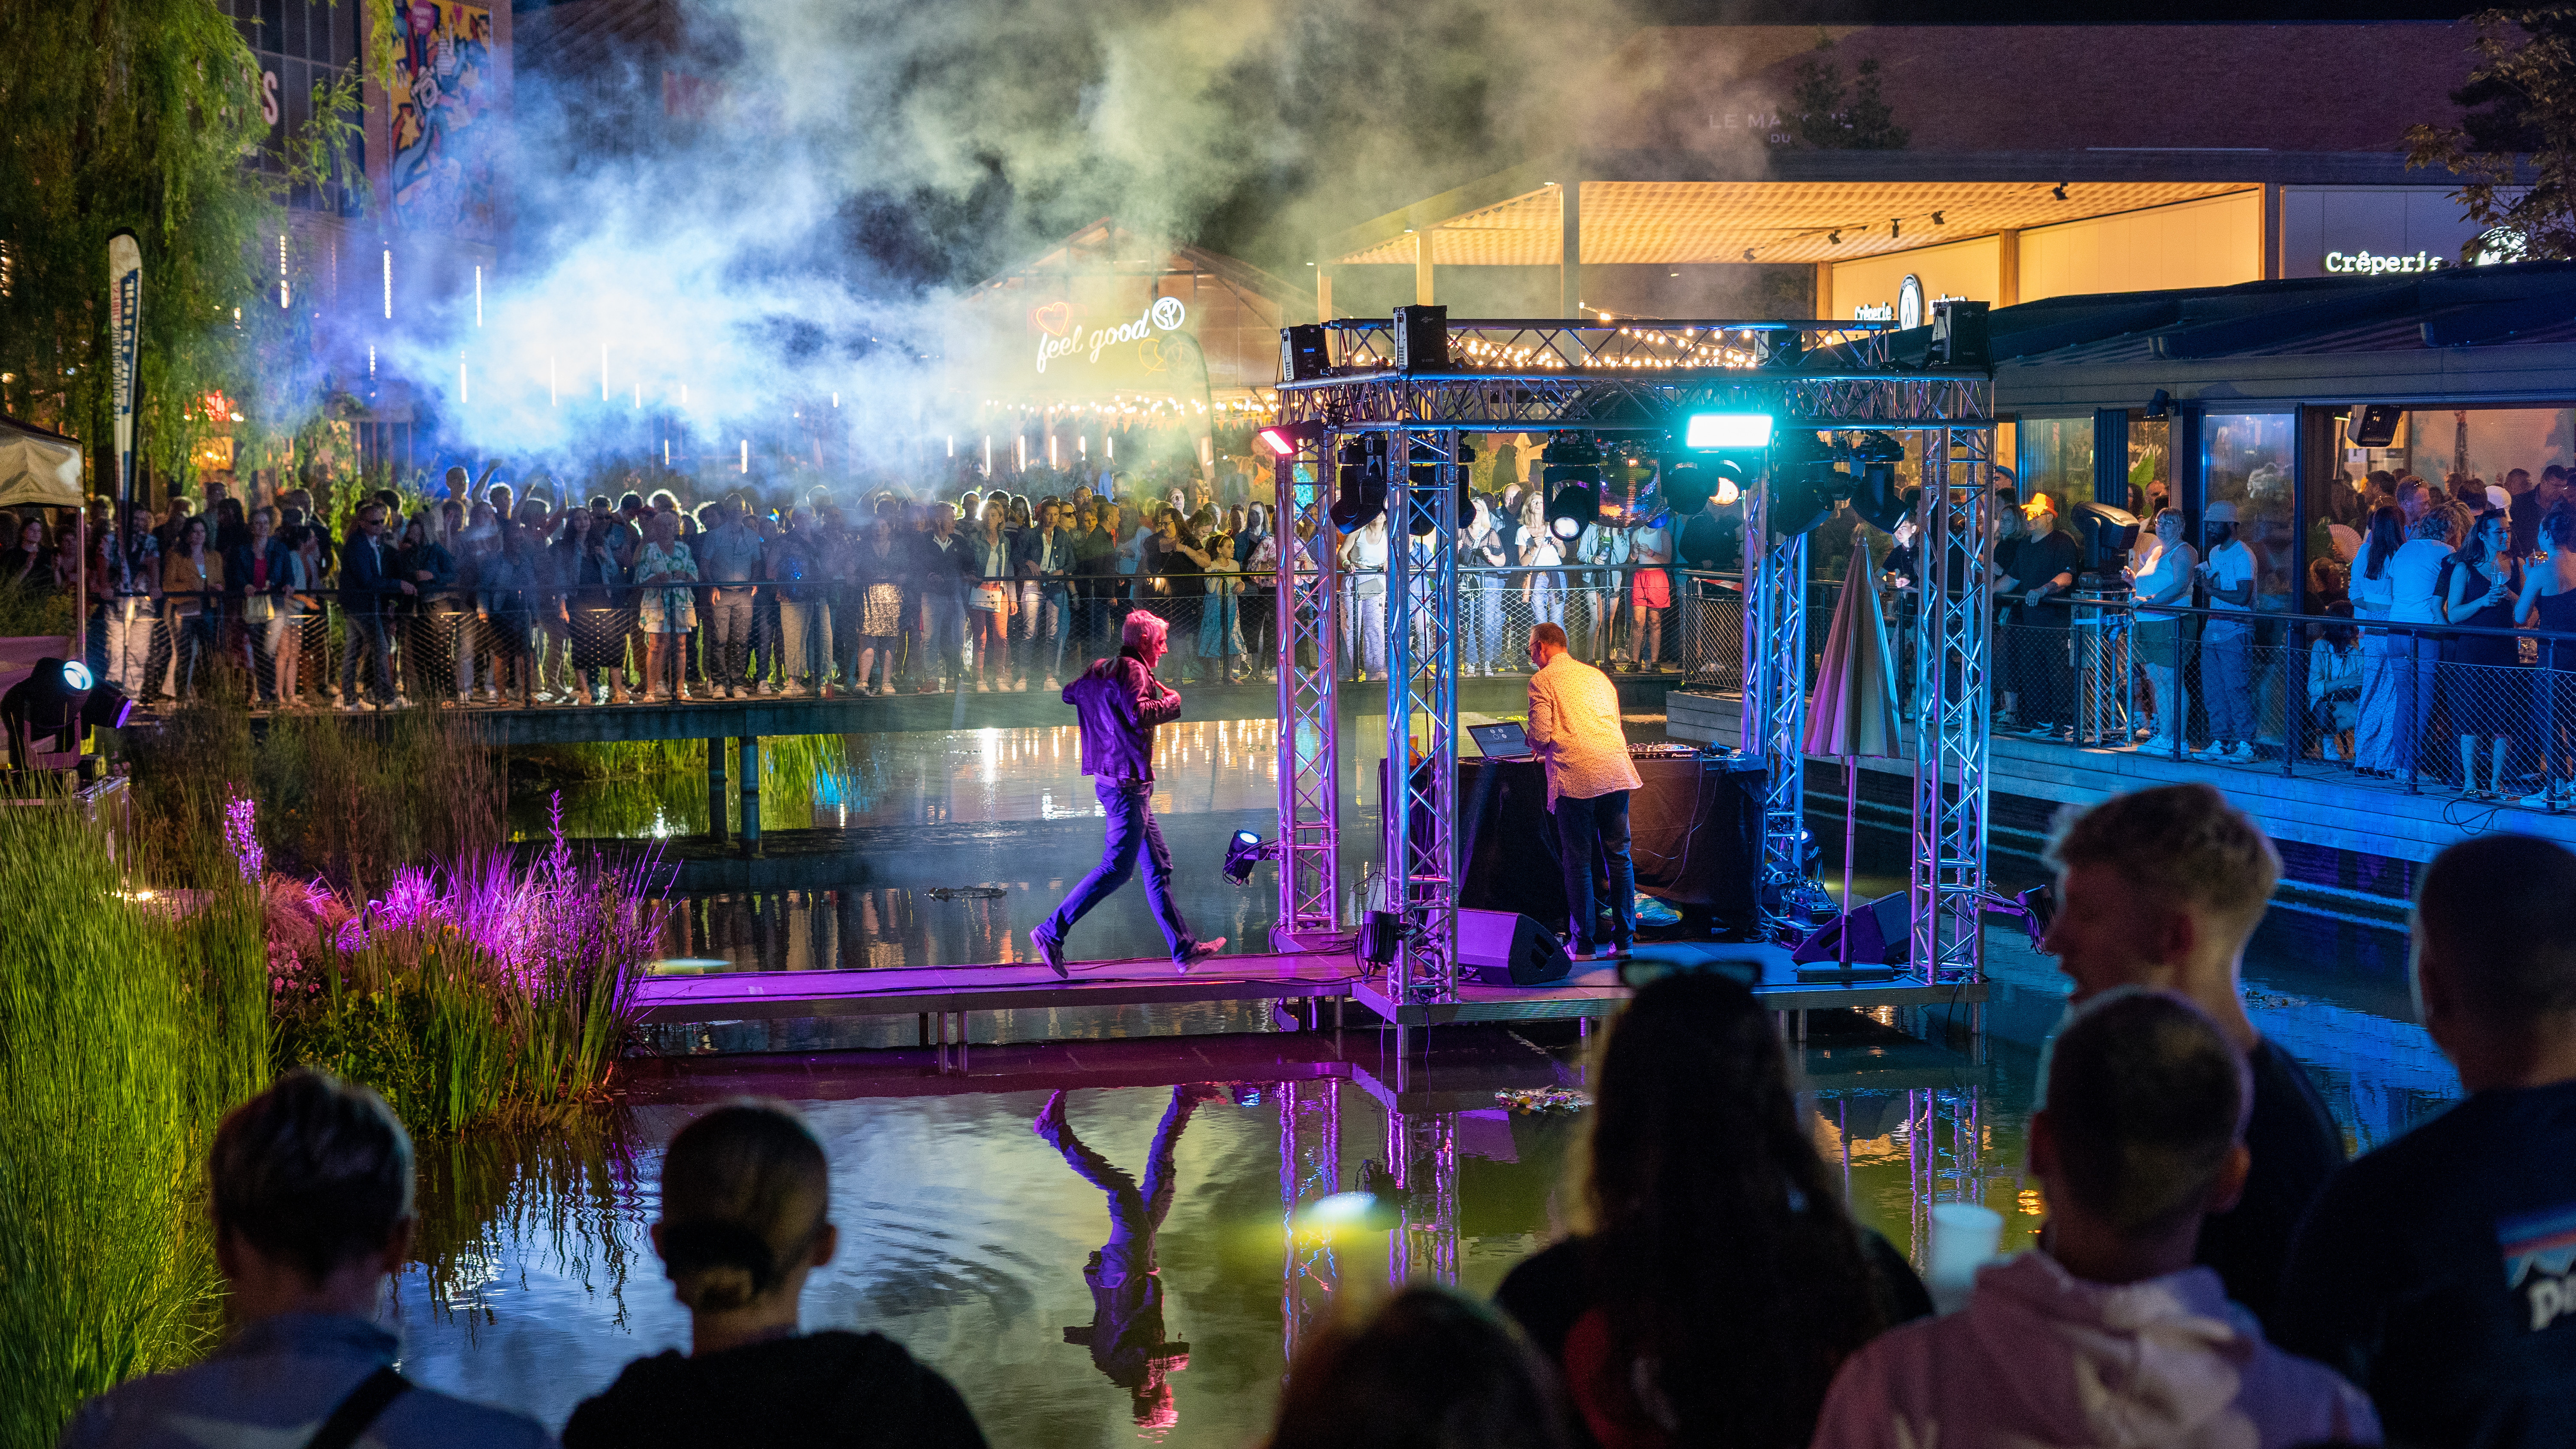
(359, 1410)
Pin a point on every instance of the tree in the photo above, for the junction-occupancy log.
(1823, 115)
(2515, 145)
(138, 114)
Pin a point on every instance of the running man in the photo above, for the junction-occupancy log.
(1119, 702)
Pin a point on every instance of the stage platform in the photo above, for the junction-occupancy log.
(1594, 993)
(1589, 995)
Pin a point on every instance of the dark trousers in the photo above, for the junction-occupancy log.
(1132, 830)
(1589, 832)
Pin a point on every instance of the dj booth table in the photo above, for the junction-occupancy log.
(1695, 830)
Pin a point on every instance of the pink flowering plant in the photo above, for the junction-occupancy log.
(485, 990)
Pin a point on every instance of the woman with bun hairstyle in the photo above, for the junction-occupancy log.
(746, 1215)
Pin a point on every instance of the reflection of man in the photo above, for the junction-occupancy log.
(1120, 702)
(1126, 1331)
(1574, 727)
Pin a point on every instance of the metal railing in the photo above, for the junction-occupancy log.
(525, 646)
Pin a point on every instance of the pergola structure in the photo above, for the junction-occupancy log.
(1634, 380)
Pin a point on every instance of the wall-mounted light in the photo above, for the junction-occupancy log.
(2058, 191)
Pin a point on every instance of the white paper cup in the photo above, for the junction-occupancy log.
(1965, 1237)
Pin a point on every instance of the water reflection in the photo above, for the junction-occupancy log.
(1125, 1334)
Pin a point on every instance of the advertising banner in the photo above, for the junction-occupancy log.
(124, 326)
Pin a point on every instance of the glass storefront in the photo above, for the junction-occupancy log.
(2055, 457)
(2451, 449)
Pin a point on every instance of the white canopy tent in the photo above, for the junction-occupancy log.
(38, 467)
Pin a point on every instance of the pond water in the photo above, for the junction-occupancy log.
(965, 1234)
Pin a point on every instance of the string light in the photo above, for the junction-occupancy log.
(478, 296)
(746, 455)
(389, 284)
(282, 295)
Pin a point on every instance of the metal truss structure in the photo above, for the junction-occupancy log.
(1953, 659)
(1309, 733)
(1773, 724)
(1611, 379)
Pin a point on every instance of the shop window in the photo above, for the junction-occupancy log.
(2055, 458)
(2251, 465)
(2150, 465)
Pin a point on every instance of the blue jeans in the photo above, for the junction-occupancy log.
(1587, 831)
(1132, 830)
(364, 637)
(943, 628)
(2227, 680)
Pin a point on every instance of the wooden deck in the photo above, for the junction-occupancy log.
(1595, 993)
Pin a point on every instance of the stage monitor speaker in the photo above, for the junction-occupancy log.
(1960, 334)
(2374, 425)
(1421, 339)
(1505, 948)
(1882, 935)
(1302, 353)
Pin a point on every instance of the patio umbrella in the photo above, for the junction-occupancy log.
(1853, 710)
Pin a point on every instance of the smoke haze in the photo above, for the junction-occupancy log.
(834, 177)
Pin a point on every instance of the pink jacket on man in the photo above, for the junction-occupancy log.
(2040, 1357)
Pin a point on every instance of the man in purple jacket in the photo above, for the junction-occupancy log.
(1119, 702)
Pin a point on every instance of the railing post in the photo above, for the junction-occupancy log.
(2294, 700)
(716, 802)
(750, 764)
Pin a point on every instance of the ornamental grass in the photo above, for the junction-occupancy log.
(129, 1022)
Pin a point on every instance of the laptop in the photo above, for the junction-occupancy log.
(1501, 741)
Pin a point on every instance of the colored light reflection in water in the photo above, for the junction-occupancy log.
(966, 1235)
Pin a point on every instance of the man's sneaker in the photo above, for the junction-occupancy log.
(795, 689)
(1051, 951)
(1019, 686)
(983, 687)
(2214, 750)
(2243, 754)
(1052, 687)
(769, 686)
(1198, 953)
(345, 704)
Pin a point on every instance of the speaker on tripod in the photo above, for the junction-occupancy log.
(1505, 948)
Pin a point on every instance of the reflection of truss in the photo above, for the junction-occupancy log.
(1422, 1153)
(1552, 377)
(1310, 1155)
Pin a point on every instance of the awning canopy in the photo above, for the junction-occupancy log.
(38, 467)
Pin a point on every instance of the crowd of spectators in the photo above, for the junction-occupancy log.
(2210, 1270)
(494, 594)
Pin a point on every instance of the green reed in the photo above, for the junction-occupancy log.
(130, 1023)
(631, 788)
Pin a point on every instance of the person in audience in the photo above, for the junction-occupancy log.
(746, 1217)
(881, 562)
(730, 554)
(310, 1196)
(2042, 569)
(2227, 639)
(2439, 1272)
(2482, 678)
(2548, 603)
(2415, 597)
(192, 575)
(2107, 1334)
(2373, 590)
(2165, 577)
(667, 608)
(1426, 1369)
(1721, 1279)
(2162, 888)
(2334, 682)
(369, 582)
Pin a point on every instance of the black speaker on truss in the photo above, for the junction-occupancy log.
(1421, 339)
(1960, 336)
(1303, 354)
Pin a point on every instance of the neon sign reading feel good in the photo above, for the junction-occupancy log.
(1060, 336)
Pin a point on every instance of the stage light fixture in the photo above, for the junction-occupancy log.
(1875, 495)
(1833, 238)
(1936, 219)
(1572, 481)
(1709, 432)
(1242, 852)
(107, 707)
(2058, 191)
(1960, 334)
(2373, 425)
(1421, 494)
(46, 705)
(1359, 483)
(1804, 483)
(1287, 440)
